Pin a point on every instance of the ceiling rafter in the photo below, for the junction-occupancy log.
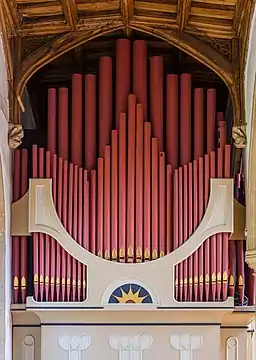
(127, 11)
(70, 13)
(11, 15)
(184, 7)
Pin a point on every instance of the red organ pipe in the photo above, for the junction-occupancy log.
(92, 214)
(213, 243)
(156, 99)
(185, 227)
(176, 225)
(53, 241)
(60, 282)
(198, 123)
(195, 224)
(52, 116)
(131, 177)
(105, 102)
(122, 188)
(106, 213)
(64, 219)
(141, 193)
(190, 229)
(226, 235)
(211, 120)
(207, 242)
(162, 204)
(180, 212)
(100, 202)
(140, 73)
(80, 229)
(147, 191)
(76, 130)
(47, 237)
(74, 232)
(114, 194)
(86, 221)
(90, 122)
(185, 119)
(154, 206)
(63, 123)
(139, 183)
(41, 236)
(172, 124)
(200, 216)
(16, 252)
(219, 236)
(123, 76)
(169, 208)
(35, 236)
(23, 242)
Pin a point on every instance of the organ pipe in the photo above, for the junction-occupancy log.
(172, 125)
(123, 78)
(156, 99)
(140, 73)
(90, 122)
(105, 102)
(133, 191)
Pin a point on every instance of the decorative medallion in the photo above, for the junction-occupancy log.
(130, 294)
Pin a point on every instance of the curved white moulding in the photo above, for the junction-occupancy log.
(218, 218)
(130, 347)
(74, 345)
(232, 348)
(186, 344)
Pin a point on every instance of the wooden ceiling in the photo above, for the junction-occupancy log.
(214, 18)
(214, 32)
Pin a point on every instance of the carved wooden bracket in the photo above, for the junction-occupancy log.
(15, 135)
(239, 136)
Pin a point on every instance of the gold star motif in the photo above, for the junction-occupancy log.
(131, 297)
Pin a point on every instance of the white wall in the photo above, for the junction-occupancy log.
(250, 74)
(5, 239)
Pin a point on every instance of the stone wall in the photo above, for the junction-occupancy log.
(5, 201)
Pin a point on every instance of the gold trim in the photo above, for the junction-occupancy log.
(15, 282)
(213, 277)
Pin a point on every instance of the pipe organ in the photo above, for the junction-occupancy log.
(130, 203)
(130, 172)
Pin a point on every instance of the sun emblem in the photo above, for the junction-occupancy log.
(130, 294)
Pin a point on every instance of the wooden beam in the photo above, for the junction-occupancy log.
(98, 6)
(6, 45)
(212, 13)
(40, 9)
(70, 12)
(184, 7)
(11, 15)
(149, 6)
(127, 10)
